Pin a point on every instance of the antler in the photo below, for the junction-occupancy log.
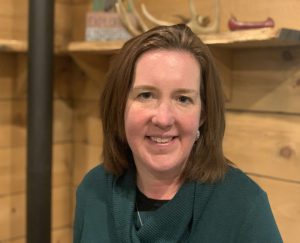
(125, 18)
(152, 18)
(197, 23)
(138, 17)
(196, 20)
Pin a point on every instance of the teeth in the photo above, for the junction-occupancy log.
(161, 140)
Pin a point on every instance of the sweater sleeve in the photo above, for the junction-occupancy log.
(260, 225)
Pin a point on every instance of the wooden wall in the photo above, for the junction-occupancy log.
(263, 111)
(263, 127)
(13, 122)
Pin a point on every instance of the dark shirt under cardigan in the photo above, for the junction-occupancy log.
(235, 209)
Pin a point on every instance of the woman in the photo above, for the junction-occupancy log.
(164, 177)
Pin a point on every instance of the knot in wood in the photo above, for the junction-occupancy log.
(286, 152)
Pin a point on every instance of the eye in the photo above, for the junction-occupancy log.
(145, 95)
(184, 99)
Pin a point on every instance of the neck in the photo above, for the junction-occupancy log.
(158, 188)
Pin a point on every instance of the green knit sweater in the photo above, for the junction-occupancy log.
(233, 210)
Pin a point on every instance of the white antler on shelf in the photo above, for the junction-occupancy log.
(125, 18)
(197, 23)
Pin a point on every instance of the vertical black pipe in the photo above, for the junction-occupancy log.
(39, 142)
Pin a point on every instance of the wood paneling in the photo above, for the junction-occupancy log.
(7, 73)
(223, 60)
(13, 168)
(89, 79)
(86, 157)
(5, 171)
(87, 126)
(13, 122)
(14, 20)
(12, 213)
(266, 80)
(265, 144)
(62, 235)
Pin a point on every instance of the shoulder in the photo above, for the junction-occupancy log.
(237, 194)
(238, 207)
(236, 184)
(94, 183)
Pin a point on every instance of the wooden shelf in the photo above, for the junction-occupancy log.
(265, 37)
(236, 39)
(95, 46)
(12, 46)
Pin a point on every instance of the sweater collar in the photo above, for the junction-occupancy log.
(173, 222)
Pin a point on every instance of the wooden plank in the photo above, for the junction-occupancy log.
(266, 80)
(87, 124)
(264, 37)
(95, 68)
(284, 198)
(20, 83)
(4, 218)
(88, 80)
(6, 16)
(13, 122)
(223, 58)
(62, 77)
(7, 63)
(12, 213)
(63, 235)
(14, 20)
(103, 47)
(61, 167)
(265, 144)
(13, 168)
(5, 171)
(79, 10)
(86, 157)
(62, 21)
(63, 80)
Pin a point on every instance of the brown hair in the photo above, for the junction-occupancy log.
(206, 162)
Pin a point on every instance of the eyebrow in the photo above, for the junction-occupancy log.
(151, 88)
(144, 87)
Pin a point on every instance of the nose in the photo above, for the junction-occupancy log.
(163, 116)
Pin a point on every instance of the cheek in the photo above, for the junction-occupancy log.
(134, 120)
(192, 120)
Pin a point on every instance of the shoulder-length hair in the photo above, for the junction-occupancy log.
(206, 162)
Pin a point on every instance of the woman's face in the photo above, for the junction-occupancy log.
(163, 111)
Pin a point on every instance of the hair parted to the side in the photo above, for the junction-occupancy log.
(206, 162)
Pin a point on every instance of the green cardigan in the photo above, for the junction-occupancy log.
(233, 210)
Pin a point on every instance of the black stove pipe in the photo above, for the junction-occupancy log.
(40, 114)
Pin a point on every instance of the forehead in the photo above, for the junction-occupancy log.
(167, 65)
(166, 56)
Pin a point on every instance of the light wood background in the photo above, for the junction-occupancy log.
(263, 110)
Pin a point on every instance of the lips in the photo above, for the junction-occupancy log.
(161, 140)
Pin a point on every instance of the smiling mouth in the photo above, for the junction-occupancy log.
(161, 140)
